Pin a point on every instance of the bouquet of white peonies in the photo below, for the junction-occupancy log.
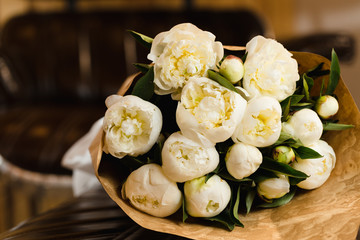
(216, 131)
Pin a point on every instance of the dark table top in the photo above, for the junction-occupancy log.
(91, 216)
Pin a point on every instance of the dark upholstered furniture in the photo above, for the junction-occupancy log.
(56, 69)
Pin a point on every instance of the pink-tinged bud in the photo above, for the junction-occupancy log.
(232, 68)
(326, 106)
(283, 154)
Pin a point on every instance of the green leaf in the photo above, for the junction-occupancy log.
(294, 181)
(303, 104)
(261, 175)
(306, 153)
(271, 165)
(307, 84)
(250, 196)
(334, 73)
(132, 162)
(142, 39)
(322, 87)
(286, 138)
(309, 81)
(223, 173)
(184, 213)
(286, 111)
(144, 87)
(317, 71)
(234, 207)
(243, 58)
(294, 99)
(336, 126)
(221, 80)
(280, 201)
(142, 67)
(224, 218)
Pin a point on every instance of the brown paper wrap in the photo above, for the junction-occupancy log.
(329, 212)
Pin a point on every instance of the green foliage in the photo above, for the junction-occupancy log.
(144, 87)
(334, 73)
(142, 39)
(221, 80)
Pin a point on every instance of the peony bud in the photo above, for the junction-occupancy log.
(149, 190)
(326, 106)
(242, 160)
(283, 154)
(318, 169)
(206, 199)
(232, 68)
(305, 125)
(274, 187)
(184, 159)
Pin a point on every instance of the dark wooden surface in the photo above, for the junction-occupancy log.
(92, 216)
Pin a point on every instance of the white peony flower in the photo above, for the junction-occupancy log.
(208, 112)
(184, 159)
(206, 199)
(326, 106)
(242, 160)
(183, 52)
(318, 169)
(269, 69)
(261, 124)
(274, 187)
(150, 191)
(305, 125)
(131, 126)
(232, 68)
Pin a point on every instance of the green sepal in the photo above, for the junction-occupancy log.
(224, 218)
(144, 87)
(249, 199)
(336, 126)
(278, 167)
(142, 39)
(142, 67)
(334, 73)
(234, 206)
(306, 153)
(185, 215)
(221, 80)
(280, 201)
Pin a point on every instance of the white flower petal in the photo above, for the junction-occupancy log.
(318, 169)
(261, 124)
(305, 125)
(206, 199)
(184, 159)
(183, 52)
(242, 160)
(150, 191)
(208, 112)
(269, 69)
(274, 187)
(131, 126)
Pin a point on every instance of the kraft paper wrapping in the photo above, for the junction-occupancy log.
(329, 212)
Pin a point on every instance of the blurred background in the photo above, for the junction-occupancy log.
(43, 40)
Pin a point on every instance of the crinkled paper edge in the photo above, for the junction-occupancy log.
(329, 212)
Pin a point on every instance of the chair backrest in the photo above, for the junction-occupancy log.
(86, 56)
